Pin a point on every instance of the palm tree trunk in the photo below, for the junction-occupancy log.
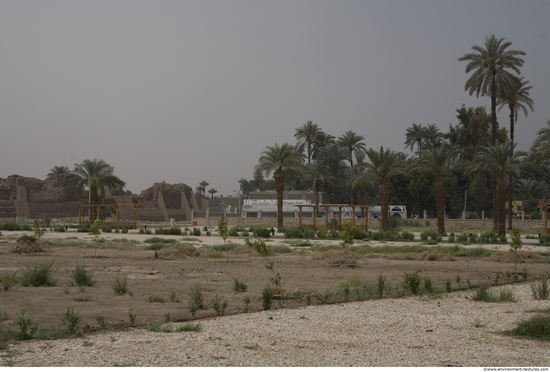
(501, 189)
(493, 141)
(279, 185)
(511, 176)
(361, 201)
(384, 204)
(440, 202)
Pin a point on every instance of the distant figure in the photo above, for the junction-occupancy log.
(272, 231)
(205, 228)
(172, 222)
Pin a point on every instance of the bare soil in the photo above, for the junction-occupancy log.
(301, 270)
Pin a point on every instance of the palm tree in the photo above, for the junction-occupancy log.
(279, 160)
(383, 165)
(306, 136)
(322, 139)
(212, 191)
(93, 174)
(59, 170)
(541, 145)
(491, 78)
(414, 136)
(351, 142)
(357, 181)
(439, 161)
(316, 176)
(432, 137)
(497, 161)
(201, 188)
(333, 156)
(516, 98)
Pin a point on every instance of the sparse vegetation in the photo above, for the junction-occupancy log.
(120, 286)
(39, 274)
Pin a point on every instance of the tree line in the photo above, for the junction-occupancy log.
(474, 163)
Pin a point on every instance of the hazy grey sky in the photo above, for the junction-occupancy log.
(185, 91)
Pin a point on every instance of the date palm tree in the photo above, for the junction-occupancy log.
(316, 175)
(351, 142)
(93, 175)
(381, 167)
(333, 156)
(541, 145)
(59, 170)
(414, 136)
(279, 160)
(438, 161)
(490, 64)
(432, 137)
(306, 136)
(516, 98)
(497, 161)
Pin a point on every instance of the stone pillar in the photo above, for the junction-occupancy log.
(463, 215)
(523, 215)
(424, 214)
(482, 215)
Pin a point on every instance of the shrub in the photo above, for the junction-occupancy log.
(11, 226)
(262, 232)
(25, 330)
(429, 286)
(412, 283)
(39, 275)
(8, 280)
(193, 307)
(322, 234)
(234, 232)
(218, 305)
(156, 298)
(196, 295)
(451, 238)
(472, 238)
(463, 238)
(359, 234)
(407, 236)
(537, 327)
(381, 285)
(483, 294)
(333, 234)
(541, 290)
(267, 297)
(543, 240)
(196, 231)
(106, 229)
(239, 285)
(168, 231)
(71, 320)
(82, 277)
(120, 286)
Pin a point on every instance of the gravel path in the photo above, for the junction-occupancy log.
(390, 332)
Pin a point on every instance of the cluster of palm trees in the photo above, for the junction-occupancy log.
(91, 174)
(476, 146)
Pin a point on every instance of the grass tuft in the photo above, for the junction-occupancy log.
(39, 275)
(83, 277)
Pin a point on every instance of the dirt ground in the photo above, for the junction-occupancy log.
(149, 276)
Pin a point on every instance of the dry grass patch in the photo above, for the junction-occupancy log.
(508, 257)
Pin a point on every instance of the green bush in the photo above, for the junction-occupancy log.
(234, 232)
(322, 234)
(168, 231)
(82, 277)
(10, 226)
(39, 275)
(359, 234)
(472, 238)
(407, 236)
(267, 297)
(537, 327)
(412, 283)
(261, 232)
(196, 231)
(463, 238)
(384, 235)
(106, 229)
(451, 238)
(299, 232)
(333, 234)
(544, 239)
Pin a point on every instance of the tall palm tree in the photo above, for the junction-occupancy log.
(516, 98)
(333, 156)
(306, 136)
(414, 136)
(497, 161)
(541, 145)
(357, 181)
(59, 170)
(279, 160)
(351, 142)
(439, 161)
(321, 140)
(432, 137)
(382, 166)
(490, 64)
(316, 175)
(93, 174)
